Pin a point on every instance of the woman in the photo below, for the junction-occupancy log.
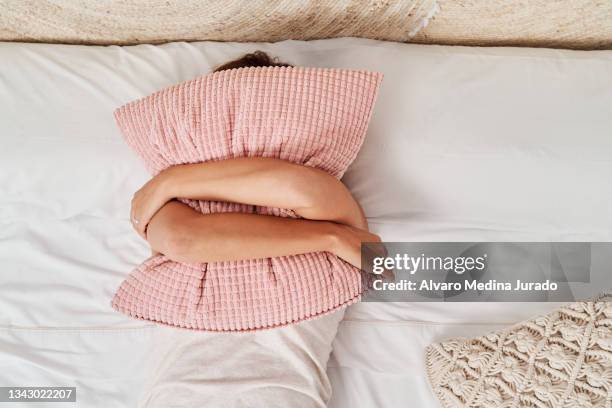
(331, 218)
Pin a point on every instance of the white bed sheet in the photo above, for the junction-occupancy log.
(468, 144)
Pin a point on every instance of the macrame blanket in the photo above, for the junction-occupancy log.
(563, 359)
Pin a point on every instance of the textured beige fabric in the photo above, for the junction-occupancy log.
(155, 21)
(563, 359)
(581, 24)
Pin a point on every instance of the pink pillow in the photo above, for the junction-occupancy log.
(312, 116)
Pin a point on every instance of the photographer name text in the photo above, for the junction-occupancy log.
(466, 285)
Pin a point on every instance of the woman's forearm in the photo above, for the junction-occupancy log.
(311, 193)
(184, 235)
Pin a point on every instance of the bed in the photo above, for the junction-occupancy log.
(465, 144)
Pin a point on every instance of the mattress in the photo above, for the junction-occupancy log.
(465, 144)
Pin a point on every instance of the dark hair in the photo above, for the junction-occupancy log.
(255, 59)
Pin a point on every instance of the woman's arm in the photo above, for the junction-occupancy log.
(184, 235)
(311, 193)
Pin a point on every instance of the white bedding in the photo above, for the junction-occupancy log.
(468, 144)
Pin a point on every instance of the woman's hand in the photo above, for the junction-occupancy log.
(347, 243)
(148, 200)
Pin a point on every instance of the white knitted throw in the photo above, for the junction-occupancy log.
(563, 359)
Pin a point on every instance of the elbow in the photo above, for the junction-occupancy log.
(179, 245)
(306, 188)
(320, 196)
(175, 242)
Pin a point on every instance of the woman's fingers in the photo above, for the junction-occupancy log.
(138, 216)
(145, 204)
(133, 219)
(350, 240)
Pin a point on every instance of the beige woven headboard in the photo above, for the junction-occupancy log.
(581, 24)
(577, 24)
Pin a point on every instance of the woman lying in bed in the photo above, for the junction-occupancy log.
(331, 218)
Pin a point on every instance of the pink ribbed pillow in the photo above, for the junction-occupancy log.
(312, 116)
